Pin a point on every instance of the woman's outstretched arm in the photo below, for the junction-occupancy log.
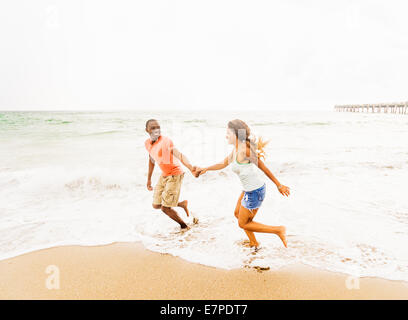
(284, 190)
(217, 166)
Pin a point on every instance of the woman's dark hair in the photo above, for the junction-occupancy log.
(255, 149)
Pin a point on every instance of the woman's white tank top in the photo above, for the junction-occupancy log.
(248, 173)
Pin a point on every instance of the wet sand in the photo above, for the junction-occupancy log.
(128, 271)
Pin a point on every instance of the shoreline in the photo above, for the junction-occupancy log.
(129, 271)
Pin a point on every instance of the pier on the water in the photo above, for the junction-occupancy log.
(396, 107)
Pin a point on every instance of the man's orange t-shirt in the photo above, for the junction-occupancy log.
(160, 151)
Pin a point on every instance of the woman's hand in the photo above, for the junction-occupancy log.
(284, 190)
(195, 171)
(199, 171)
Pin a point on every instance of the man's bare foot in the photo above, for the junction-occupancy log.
(282, 235)
(183, 205)
(184, 229)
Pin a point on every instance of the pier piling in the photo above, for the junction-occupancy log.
(395, 107)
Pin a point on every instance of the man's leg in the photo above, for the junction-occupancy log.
(173, 215)
(157, 193)
(184, 204)
(170, 198)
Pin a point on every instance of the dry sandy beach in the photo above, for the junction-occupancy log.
(128, 271)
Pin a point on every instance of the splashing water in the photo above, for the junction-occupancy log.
(80, 178)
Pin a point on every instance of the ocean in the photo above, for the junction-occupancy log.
(79, 178)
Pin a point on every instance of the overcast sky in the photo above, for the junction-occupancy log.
(98, 54)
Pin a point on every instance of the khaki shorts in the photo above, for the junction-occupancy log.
(167, 190)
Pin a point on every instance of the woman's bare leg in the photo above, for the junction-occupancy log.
(251, 236)
(245, 222)
(252, 239)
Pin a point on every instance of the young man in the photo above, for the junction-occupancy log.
(167, 190)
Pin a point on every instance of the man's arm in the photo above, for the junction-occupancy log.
(183, 159)
(149, 174)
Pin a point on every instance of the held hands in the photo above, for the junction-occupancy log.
(197, 171)
(284, 190)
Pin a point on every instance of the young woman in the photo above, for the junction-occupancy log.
(246, 160)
